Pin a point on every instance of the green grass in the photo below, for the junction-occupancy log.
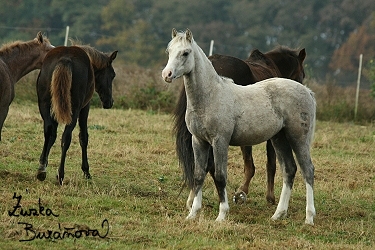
(136, 183)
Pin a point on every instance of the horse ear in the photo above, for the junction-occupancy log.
(189, 35)
(174, 32)
(113, 55)
(39, 37)
(302, 55)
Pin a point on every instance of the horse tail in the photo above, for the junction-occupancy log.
(61, 107)
(313, 120)
(184, 148)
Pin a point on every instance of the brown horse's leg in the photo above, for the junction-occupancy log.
(50, 133)
(65, 144)
(249, 170)
(84, 139)
(6, 98)
(271, 171)
(3, 114)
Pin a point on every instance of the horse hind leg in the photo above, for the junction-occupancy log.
(65, 144)
(84, 139)
(249, 171)
(289, 168)
(307, 168)
(271, 171)
(50, 134)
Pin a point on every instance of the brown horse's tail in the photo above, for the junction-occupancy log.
(61, 83)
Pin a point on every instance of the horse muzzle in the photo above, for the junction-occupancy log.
(108, 104)
(168, 80)
(167, 75)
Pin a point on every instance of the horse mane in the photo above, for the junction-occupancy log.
(262, 72)
(98, 59)
(261, 66)
(285, 50)
(20, 46)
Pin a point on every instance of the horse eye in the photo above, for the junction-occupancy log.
(185, 53)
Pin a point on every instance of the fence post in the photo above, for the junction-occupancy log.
(358, 83)
(66, 36)
(211, 48)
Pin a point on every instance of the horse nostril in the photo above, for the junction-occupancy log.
(170, 74)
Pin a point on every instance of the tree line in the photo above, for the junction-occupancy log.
(334, 32)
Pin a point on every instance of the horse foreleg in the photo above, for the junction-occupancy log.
(224, 206)
(84, 139)
(220, 151)
(50, 133)
(190, 199)
(201, 151)
(289, 169)
(271, 171)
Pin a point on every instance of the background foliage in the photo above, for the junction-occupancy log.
(334, 32)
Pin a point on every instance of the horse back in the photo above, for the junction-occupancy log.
(233, 68)
(83, 84)
(293, 102)
(269, 106)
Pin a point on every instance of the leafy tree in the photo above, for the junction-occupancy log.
(208, 20)
(360, 41)
(371, 76)
(140, 29)
(127, 29)
(18, 19)
(82, 17)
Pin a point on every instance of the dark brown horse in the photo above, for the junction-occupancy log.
(65, 86)
(280, 62)
(16, 60)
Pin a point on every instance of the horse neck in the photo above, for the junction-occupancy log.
(21, 63)
(201, 81)
(285, 64)
(96, 58)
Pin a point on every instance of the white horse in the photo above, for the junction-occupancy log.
(220, 113)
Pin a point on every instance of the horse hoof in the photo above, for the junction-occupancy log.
(279, 215)
(309, 222)
(191, 217)
(239, 197)
(60, 180)
(271, 200)
(87, 175)
(41, 175)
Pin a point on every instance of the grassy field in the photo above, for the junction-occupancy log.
(134, 193)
